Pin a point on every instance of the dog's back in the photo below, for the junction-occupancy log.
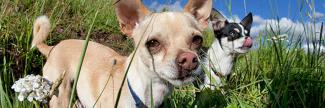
(64, 56)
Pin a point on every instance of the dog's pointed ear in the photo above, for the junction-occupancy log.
(128, 13)
(218, 20)
(247, 21)
(201, 10)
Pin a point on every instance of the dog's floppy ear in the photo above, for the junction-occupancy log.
(128, 13)
(247, 21)
(201, 10)
(218, 20)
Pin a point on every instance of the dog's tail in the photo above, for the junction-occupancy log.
(41, 30)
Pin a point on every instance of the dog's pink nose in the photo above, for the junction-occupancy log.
(186, 62)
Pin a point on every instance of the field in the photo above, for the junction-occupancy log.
(274, 74)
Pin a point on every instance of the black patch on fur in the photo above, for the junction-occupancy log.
(229, 32)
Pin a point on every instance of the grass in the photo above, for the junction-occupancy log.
(275, 74)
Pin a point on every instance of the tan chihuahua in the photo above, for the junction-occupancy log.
(167, 56)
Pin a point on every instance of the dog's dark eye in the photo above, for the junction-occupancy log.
(232, 33)
(197, 40)
(153, 45)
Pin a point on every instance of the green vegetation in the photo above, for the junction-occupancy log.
(275, 74)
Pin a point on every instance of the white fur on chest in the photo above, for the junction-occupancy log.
(218, 59)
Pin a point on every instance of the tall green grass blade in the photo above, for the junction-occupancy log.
(5, 101)
(152, 105)
(123, 81)
(129, 65)
(102, 91)
(81, 62)
(320, 40)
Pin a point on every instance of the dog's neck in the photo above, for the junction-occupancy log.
(140, 79)
(219, 60)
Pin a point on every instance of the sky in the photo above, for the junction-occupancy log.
(263, 8)
(289, 14)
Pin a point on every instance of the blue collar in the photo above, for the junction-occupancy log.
(138, 102)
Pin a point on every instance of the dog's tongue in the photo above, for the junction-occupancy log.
(248, 42)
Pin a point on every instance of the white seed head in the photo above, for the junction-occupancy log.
(33, 88)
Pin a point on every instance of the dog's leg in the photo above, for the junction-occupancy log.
(62, 97)
(61, 94)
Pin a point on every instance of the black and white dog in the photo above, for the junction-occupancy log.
(231, 39)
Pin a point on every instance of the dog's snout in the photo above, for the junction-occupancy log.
(187, 61)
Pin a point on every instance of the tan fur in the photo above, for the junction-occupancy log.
(197, 7)
(127, 14)
(41, 30)
(65, 57)
(174, 30)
